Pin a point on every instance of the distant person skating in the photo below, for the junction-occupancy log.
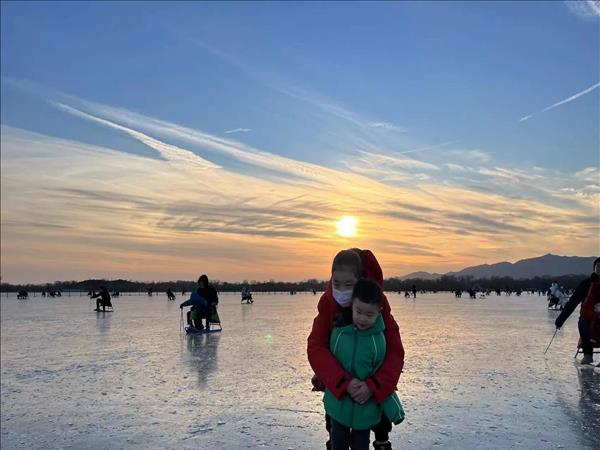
(358, 344)
(170, 295)
(414, 290)
(584, 325)
(102, 299)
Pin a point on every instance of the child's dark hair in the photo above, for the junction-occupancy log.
(596, 261)
(367, 291)
(350, 259)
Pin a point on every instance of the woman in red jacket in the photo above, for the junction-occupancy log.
(347, 268)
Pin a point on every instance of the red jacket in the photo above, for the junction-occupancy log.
(588, 311)
(326, 367)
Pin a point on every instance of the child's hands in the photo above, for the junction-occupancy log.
(353, 386)
(360, 392)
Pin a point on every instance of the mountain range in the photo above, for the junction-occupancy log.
(546, 265)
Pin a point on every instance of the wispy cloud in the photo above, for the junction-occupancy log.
(509, 174)
(398, 162)
(562, 102)
(590, 175)
(390, 168)
(348, 120)
(168, 151)
(229, 147)
(238, 130)
(469, 154)
(524, 118)
(572, 97)
(586, 9)
(426, 148)
(455, 167)
(386, 126)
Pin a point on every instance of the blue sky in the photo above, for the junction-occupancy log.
(415, 97)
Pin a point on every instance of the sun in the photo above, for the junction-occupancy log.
(346, 226)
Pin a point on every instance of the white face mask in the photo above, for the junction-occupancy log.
(343, 298)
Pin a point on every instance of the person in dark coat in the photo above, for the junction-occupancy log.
(584, 326)
(208, 292)
(170, 295)
(102, 299)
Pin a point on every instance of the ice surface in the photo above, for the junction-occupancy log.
(475, 376)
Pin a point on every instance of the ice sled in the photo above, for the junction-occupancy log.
(214, 326)
(193, 330)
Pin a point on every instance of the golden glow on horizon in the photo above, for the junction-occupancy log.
(346, 226)
(144, 222)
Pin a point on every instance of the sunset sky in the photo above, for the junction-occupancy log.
(156, 141)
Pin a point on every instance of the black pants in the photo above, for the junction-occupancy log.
(585, 333)
(343, 438)
(381, 430)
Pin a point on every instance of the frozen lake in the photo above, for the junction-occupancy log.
(475, 376)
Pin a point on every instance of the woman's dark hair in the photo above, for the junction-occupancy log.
(350, 259)
(367, 291)
(596, 261)
(203, 279)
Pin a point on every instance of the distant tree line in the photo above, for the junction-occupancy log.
(450, 283)
(444, 283)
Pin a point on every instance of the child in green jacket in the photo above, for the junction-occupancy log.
(359, 347)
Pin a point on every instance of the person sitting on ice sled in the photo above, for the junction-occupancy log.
(102, 299)
(197, 312)
(554, 295)
(247, 295)
(347, 268)
(585, 325)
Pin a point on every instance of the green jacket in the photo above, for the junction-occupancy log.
(361, 353)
